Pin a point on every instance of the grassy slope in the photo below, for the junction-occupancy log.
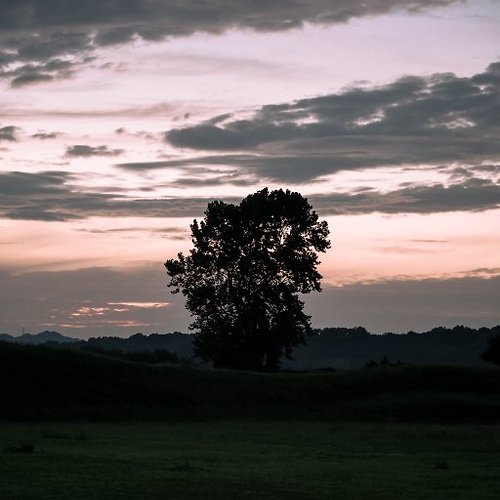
(45, 383)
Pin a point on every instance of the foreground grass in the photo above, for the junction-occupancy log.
(249, 460)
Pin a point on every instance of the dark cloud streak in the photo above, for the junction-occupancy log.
(46, 135)
(8, 133)
(119, 21)
(37, 33)
(53, 196)
(86, 151)
(470, 195)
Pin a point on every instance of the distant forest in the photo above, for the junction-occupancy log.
(330, 348)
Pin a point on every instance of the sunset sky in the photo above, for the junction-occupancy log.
(120, 121)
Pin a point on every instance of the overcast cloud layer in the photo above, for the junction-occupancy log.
(43, 40)
(444, 121)
(414, 120)
(51, 196)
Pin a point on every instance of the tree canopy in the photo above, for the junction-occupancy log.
(243, 277)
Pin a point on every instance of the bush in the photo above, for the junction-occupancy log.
(26, 448)
(492, 353)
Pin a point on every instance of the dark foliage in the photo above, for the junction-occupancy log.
(181, 345)
(243, 276)
(44, 383)
(355, 347)
(384, 363)
(329, 348)
(26, 448)
(492, 352)
(152, 357)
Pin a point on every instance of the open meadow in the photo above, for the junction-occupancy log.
(79, 425)
(249, 460)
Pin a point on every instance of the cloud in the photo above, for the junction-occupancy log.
(32, 54)
(297, 168)
(161, 109)
(142, 305)
(120, 21)
(30, 73)
(163, 230)
(431, 120)
(31, 77)
(84, 150)
(396, 305)
(153, 165)
(35, 33)
(170, 233)
(55, 196)
(470, 195)
(8, 133)
(92, 301)
(401, 305)
(46, 135)
(206, 177)
(29, 184)
(110, 310)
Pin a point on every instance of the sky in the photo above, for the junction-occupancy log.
(120, 121)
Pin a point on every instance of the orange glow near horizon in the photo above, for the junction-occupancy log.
(364, 247)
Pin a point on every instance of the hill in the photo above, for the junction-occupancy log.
(61, 384)
(37, 338)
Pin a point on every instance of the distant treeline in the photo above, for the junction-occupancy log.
(179, 345)
(355, 347)
(342, 347)
(329, 348)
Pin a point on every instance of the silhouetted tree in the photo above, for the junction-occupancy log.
(243, 276)
(492, 353)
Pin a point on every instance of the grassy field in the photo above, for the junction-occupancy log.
(248, 460)
(180, 432)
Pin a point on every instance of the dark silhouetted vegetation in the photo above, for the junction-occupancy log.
(179, 344)
(492, 352)
(25, 448)
(67, 384)
(328, 349)
(151, 357)
(355, 347)
(243, 276)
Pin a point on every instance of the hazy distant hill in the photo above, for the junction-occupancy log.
(38, 338)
